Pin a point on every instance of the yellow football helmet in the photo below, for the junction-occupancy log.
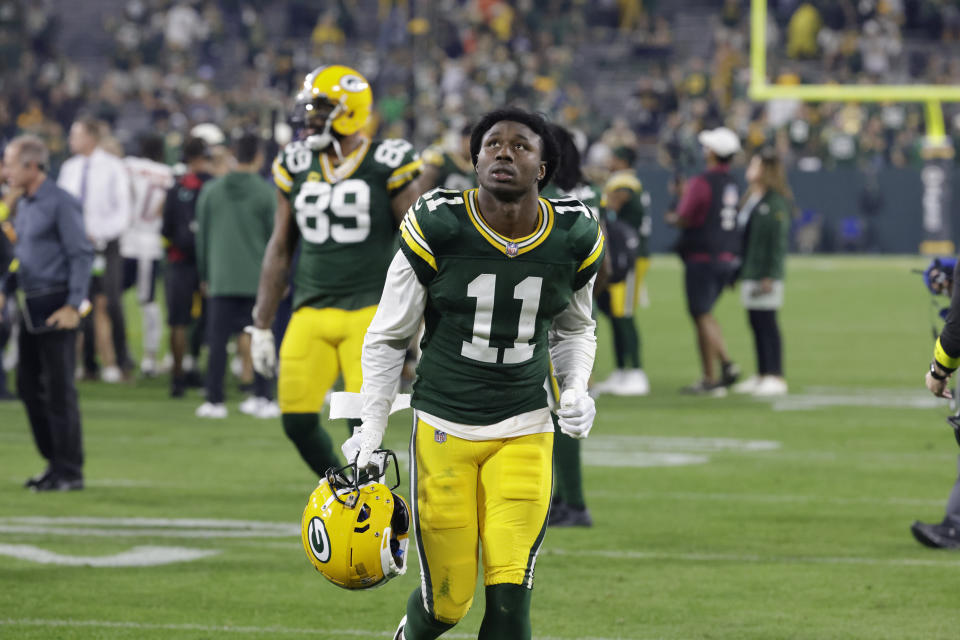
(334, 99)
(355, 530)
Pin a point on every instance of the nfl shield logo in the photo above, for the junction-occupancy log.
(511, 249)
(440, 437)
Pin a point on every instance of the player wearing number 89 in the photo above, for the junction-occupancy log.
(340, 196)
(504, 281)
(710, 247)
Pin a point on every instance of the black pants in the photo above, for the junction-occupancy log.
(45, 384)
(766, 341)
(109, 284)
(227, 316)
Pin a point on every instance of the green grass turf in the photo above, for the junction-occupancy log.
(805, 540)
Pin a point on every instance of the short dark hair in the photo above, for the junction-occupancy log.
(627, 154)
(151, 147)
(568, 174)
(549, 151)
(246, 147)
(195, 148)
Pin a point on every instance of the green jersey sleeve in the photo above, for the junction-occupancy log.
(427, 225)
(588, 246)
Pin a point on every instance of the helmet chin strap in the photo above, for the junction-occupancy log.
(322, 140)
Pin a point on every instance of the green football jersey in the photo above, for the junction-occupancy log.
(585, 193)
(347, 229)
(455, 173)
(491, 301)
(634, 211)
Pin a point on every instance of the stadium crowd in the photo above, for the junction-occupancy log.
(438, 65)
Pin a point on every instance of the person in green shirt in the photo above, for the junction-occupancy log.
(765, 216)
(234, 223)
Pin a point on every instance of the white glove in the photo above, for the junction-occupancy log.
(576, 414)
(262, 351)
(365, 440)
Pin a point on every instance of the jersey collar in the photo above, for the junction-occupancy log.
(511, 247)
(350, 164)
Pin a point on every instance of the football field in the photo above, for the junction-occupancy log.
(729, 518)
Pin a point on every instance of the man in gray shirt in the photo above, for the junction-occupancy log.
(55, 258)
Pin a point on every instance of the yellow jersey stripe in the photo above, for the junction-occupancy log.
(943, 359)
(416, 248)
(595, 254)
(405, 169)
(415, 226)
(395, 181)
(282, 177)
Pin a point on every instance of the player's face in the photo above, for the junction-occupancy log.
(509, 163)
(316, 116)
(754, 170)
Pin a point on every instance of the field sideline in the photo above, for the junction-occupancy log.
(728, 518)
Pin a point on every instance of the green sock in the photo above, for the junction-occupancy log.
(566, 463)
(421, 625)
(630, 345)
(312, 441)
(507, 614)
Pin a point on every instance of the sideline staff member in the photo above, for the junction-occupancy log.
(55, 258)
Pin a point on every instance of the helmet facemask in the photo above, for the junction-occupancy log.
(314, 120)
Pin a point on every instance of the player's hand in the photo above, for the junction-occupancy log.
(576, 414)
(365, 440)
(263, 351)
(939, 387)
(66, 317)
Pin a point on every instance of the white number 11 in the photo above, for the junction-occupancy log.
(483, 288)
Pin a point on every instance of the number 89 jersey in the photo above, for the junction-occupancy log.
(344, 218)
(491, 301)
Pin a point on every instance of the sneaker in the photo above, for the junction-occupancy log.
(729, 373)
(771, 386)
(704, 388)
(936, 536)
(558, 512)
(268, 409)
(37, 479)
(178, 387)
(399, 634)
(111, 374)
(148, 368)
(574, 518)
(747, 386)
(252, 405)
(54, 482)
(613, 381)
(632, 383)
(211, 410)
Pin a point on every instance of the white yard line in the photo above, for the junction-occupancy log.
(936, 559)
(760, 497)
(315, 632)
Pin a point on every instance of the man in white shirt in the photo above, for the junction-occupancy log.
(141, 245)
(101, 182)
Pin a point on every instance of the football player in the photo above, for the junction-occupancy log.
(568, 508)
(141, 244)
(448, 165)
(340, 197)
(625, 204)
(504, 281)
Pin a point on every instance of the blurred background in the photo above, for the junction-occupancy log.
(644, 73)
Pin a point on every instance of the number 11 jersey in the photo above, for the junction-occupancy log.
(343, 215)
(491, 301)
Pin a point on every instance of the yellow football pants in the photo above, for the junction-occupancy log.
(494, 493)
(623, 294)
(318, 346)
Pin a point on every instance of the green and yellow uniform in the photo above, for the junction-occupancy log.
(454, 172)
(623, 294)
(347, 236)
(482, 441)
